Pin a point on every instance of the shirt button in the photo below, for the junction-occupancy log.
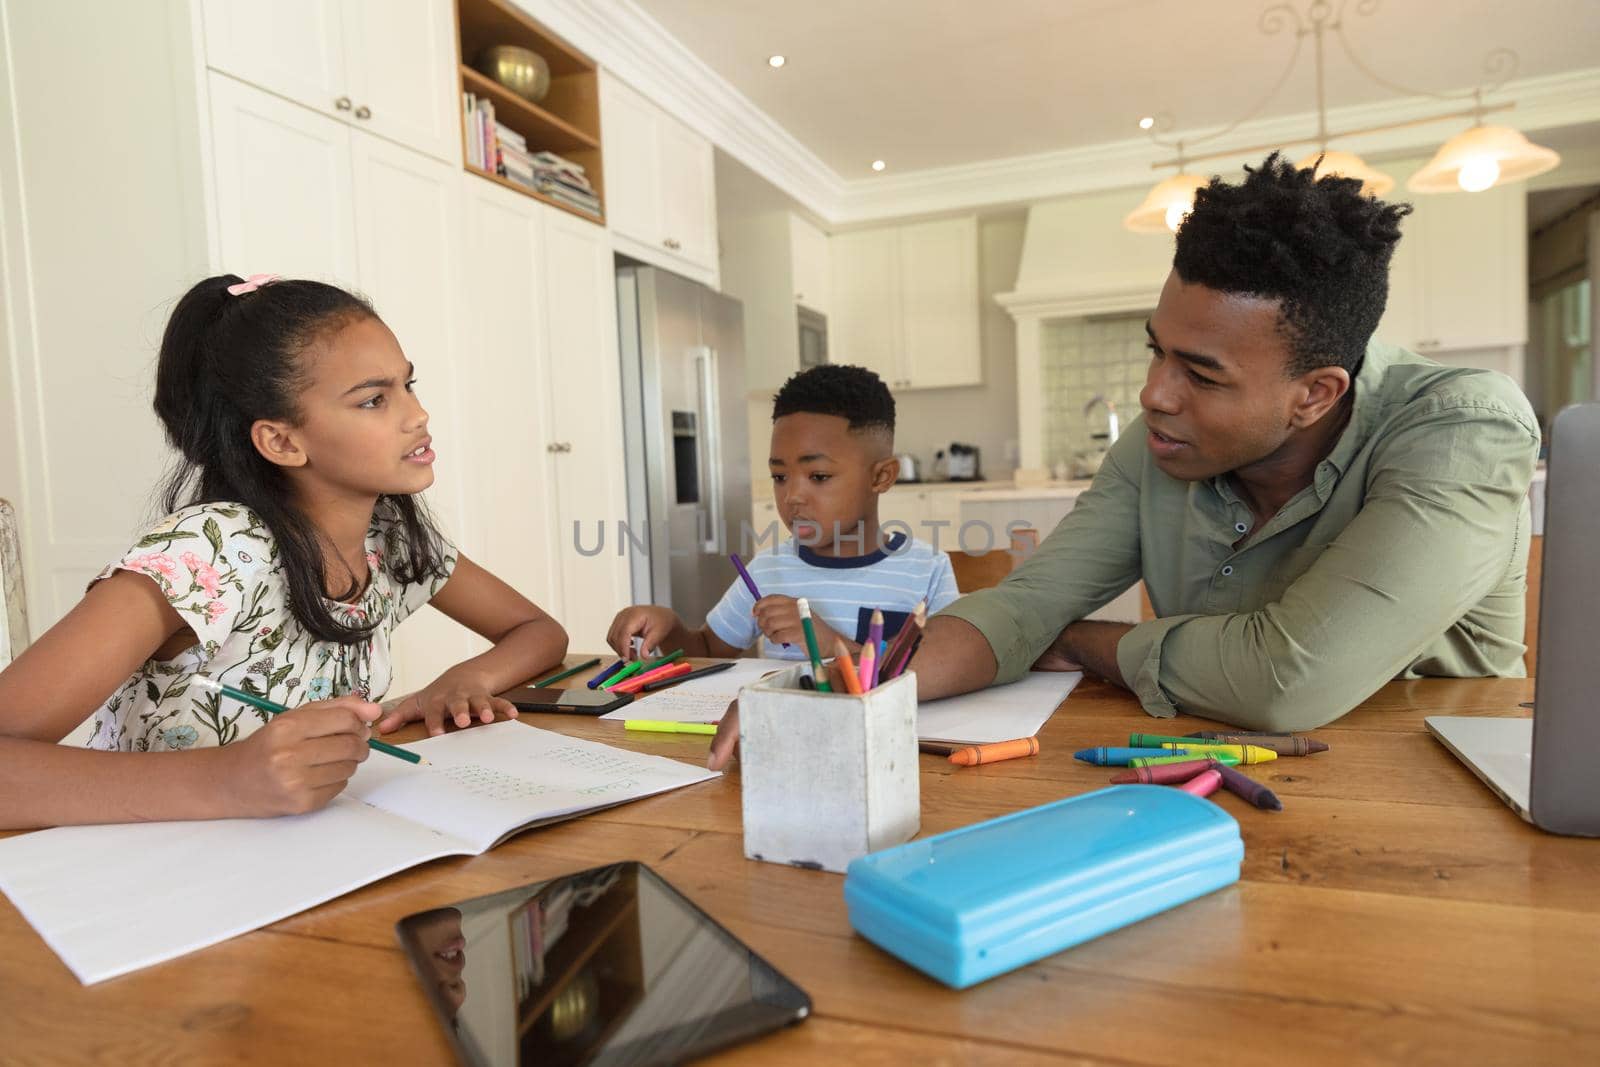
(1227, 570)
(1240, 527)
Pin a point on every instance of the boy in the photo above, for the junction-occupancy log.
(832, 458)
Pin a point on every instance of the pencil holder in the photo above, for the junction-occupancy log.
(827, 777)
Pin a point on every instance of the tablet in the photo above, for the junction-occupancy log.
(579, 701)
(609, 965)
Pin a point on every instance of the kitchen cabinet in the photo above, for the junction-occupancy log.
(384, 66)
(905, 303)
(809, 266)
(661, 185)
(773, 262)
(1459, 276)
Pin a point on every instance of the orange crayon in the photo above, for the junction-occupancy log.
(841, 659)
(973, 755)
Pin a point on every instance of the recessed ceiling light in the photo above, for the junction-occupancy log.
(1146, 122)
(776, 61)
(878, 164)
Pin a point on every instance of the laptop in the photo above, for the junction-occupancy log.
(1544, 767)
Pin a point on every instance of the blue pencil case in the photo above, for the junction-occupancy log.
(967, 905)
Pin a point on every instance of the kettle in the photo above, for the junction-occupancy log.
(908, 468)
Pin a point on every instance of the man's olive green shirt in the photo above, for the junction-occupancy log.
(1406, 557)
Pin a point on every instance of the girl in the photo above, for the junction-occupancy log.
(299, 548)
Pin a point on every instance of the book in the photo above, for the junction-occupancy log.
(91, 891)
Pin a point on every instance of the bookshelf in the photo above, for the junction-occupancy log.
(566, 121)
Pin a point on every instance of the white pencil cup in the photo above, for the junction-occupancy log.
(827, 777)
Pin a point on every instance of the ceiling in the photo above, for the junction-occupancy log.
(935, 83)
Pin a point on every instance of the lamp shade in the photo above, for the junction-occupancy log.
(1480, 158)
(1348, 165)
(1165, 205)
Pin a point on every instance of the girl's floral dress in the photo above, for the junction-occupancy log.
(218, 566)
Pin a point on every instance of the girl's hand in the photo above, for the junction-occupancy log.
(650, 623)
(301, 759)
(458, 699)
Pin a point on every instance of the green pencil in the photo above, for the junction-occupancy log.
(278, 709)
(561, 676)
(811, 646)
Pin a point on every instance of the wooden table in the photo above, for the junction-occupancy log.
(1395, 911)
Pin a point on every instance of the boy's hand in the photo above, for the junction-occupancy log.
(778, 618)
(726, 742)
(650, 623)
(455, 698)
(301, 759)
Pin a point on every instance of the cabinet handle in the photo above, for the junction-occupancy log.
(800, 297)
(343, 103)
(363, 112)
(672, 244)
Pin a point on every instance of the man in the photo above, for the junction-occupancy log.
(1312, 514)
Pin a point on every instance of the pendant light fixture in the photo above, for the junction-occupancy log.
(1480, 158)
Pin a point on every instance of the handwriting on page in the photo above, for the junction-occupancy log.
(612, 765)
(491, 784)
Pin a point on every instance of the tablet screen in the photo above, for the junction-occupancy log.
(610, 965)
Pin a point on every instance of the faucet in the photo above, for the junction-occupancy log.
(1111, 416)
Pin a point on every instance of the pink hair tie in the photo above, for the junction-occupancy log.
(251, 284)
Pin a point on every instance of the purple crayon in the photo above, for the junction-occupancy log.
(1247, 789)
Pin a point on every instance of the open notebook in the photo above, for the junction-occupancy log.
(112, 899)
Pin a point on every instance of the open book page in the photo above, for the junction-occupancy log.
(112, 899)
(999, 713)
(700, 699)
(486, 782)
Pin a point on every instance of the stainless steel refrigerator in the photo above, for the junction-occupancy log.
(684, 410)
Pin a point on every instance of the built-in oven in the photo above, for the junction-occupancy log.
(813, 337)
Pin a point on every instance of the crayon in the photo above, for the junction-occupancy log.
(869, 665)
(1246, 753)
(699, 672)
(1207, 735)
(605, 675)
(1165, 773)
(561, 676)
(1157, 740)
(637, 682)
(1157, 761)
(627, 672)
(820, 677)
(874, 639)
(1119, 757)
(1203, 784)
(1283, 746)
(973, 755)
(847, 667)
(1248, 789)
(658, 727)
(749, 582)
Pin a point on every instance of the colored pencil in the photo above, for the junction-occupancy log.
(561, 676)
(278, 709)
(874, 640)
(817, 670)
(661, 683)
(869, 666)
(604, 676)
(900, 649)
(841, 657)
(749, 582)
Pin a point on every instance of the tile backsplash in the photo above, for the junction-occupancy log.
(1083, 358)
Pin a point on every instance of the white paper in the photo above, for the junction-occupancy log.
(999, 713)
(112, 899)
(700, 699)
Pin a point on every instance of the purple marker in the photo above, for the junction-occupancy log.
(749, 582)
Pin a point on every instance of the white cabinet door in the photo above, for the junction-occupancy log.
(294, 48)
(402, 63)
(864, 327)
(687, 180)
(408, 239)
(629, 132)
(808, 250)
(584, 390)
(284, 204)
(507, 379)
(939, 303)
(904, 504)
(1402, 314)
(1473, 259)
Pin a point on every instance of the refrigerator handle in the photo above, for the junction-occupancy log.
(711, 431)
